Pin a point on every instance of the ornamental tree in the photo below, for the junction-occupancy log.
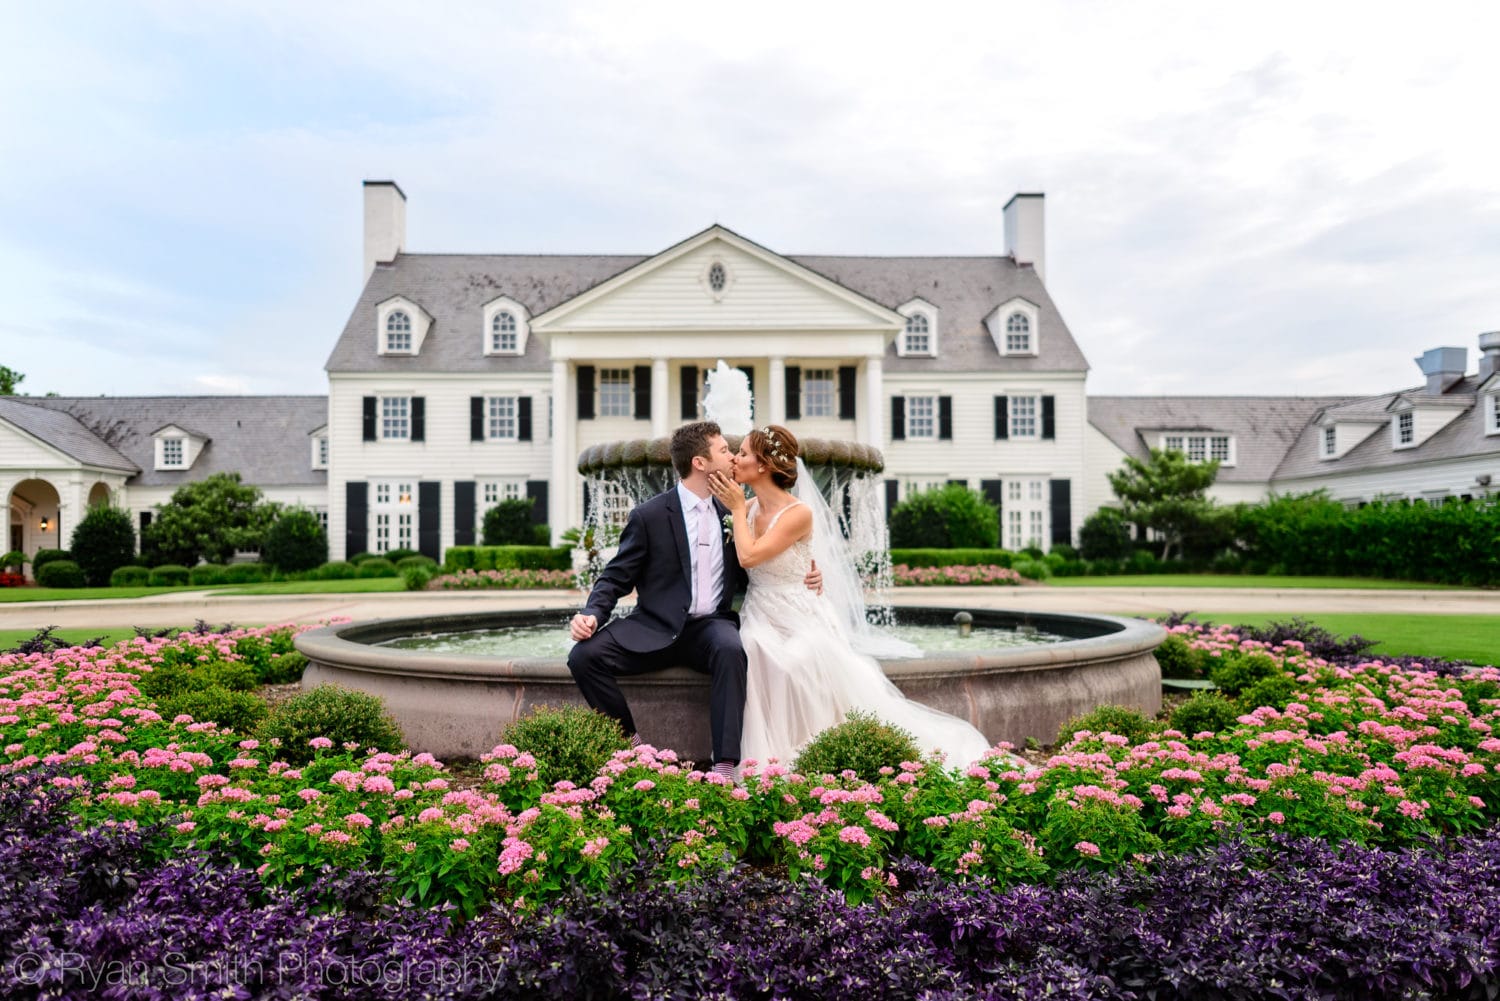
(1167, 493)
(103, 542)
(210, 519)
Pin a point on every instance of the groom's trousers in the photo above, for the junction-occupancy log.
(709, 645)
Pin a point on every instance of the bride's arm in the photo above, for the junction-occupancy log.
(793, 523)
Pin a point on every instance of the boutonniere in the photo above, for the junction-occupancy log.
(728, 521)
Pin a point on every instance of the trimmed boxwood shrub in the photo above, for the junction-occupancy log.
(239, 711)
(568, 742)
(131, 576)
(1205, 711)
(359, 558)
(1129, 723)
(953, 516)
(337, 570)
(416, 561)
(952, 557)
(295, 541)
(45, 556)
(208, 574)
(1032, 569)
(375, 566)
(103, 542)
(416, 576)
(341, 715)
(518, 558)
(862, 743)
(461, 558)
(244, 573)
(397, 555)
(60, 573)
(170, 575)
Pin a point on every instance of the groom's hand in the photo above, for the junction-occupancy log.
(583, 626)
(814, 579)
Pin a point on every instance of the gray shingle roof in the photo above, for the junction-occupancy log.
(1463, 437)
(453, 288)
(63, 432)
(1264, 427)
(263, 438)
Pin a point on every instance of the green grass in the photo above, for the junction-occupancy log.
(14, 637)
(1475, 638)
(1248, 580)
(364, 586)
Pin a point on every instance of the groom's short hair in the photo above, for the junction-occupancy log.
(690, 440)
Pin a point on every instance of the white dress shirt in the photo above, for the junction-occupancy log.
(694, 508)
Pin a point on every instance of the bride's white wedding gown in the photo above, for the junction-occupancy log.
(804, 673)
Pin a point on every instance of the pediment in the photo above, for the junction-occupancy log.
(718, 280)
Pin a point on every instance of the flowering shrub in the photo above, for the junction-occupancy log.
(905, 576)
(12, 579)
(1369, 753)
(519, 579)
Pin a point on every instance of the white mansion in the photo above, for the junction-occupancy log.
(460, 380)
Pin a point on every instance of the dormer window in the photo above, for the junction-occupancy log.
(918, 335)
(401, 326)
(172, 453)
(1406, 429)
(506, 324)
(1330, 442)
(398, 333)
(1201, 447)
(1017, 334)
(1492, 414)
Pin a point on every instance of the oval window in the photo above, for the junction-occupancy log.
(716, 277)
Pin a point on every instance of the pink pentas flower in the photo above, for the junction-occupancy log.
(1087, 848)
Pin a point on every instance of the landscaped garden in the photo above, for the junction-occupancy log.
(1321, 824)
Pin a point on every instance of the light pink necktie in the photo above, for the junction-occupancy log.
(704, 588)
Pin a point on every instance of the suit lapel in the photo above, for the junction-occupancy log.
(731, 557)
(679, 536)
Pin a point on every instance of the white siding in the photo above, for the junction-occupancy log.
(19, 450)
(1451, 477)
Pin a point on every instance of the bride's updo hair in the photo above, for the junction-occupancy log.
(777, 448)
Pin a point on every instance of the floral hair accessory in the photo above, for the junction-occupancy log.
(773, 441)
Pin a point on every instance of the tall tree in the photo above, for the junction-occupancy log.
(210, 519)
(9, 380)
(1167, 493)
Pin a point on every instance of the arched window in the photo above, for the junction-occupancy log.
(918, 335)
(1018, 334)
(398, 331)
(503, 333)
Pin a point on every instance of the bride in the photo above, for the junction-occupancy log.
(804, 671)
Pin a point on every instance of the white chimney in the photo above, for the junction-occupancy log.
(385, 223)
(1443, 367)
(1489, 354)
(1025, 233)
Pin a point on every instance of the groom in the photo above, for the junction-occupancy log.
(675, 553)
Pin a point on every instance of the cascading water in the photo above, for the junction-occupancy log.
(619, 475)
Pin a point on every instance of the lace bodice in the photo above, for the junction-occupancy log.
(788, 567)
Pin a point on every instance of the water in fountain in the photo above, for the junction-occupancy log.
(728, 401)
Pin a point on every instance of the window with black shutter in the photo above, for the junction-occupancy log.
(643, 392)
(585, 392)
(429, 519)
(793, 392)
(994, 492)
(356, 517)
(523, 418)
(537, 491)
(688, 383)
(945, 418)
(1002, 418)
(370, 405)
(847, 374)
(1062, 512)
(419, 418)
(463, 512)
(898, 420)
(1049, 417)
(476, 418)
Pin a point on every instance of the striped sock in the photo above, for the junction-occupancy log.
(726, 769)
(635, 740)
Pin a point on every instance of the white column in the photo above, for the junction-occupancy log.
(564, 454)
(659, 409)
(777, 410)
(872, 431)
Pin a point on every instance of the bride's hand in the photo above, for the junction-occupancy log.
(730, 493)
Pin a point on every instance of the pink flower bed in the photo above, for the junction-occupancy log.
(905, 576)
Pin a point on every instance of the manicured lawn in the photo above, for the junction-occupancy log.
(76, 593)
(10, 638)
(365, 586)
(1248, 580)
(1474, 638)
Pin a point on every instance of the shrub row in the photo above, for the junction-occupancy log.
(507, 558)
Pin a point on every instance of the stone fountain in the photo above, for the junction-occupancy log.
(453, 704)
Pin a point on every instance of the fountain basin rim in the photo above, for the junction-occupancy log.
(350, 644)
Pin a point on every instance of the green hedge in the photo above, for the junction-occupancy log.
(60, 573)
(169, 575)
(952, 557)
(507, 558)
(1452, 543)
(130, 577)
(208, 574)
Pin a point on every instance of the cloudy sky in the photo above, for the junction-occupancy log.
(1293, 198)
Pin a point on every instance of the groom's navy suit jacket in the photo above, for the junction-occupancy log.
(654, 561)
